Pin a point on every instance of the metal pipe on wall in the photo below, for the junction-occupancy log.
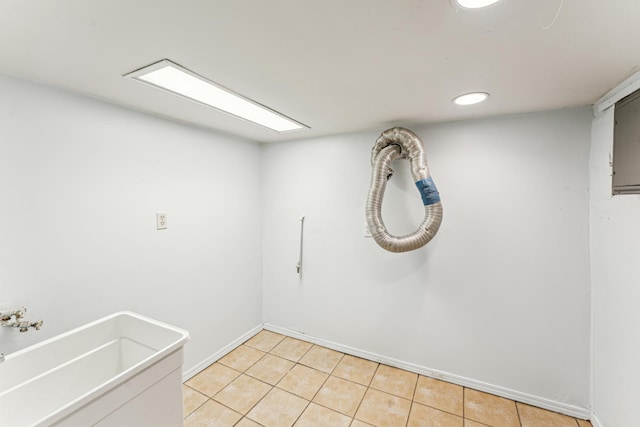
(392, 144)
(299, 264)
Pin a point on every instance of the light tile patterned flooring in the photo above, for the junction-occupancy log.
(277, 381)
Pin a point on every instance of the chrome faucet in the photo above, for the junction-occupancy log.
(6, 315)
(18, 322)
(24, 325)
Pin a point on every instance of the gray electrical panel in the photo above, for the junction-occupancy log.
(626, 145)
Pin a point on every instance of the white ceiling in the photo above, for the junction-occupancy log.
(335, 65)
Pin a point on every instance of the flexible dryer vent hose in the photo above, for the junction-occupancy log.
(392, 144)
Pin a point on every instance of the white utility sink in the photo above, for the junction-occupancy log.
(122, 370)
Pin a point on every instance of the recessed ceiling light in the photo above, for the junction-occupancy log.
(475, 4)
(180, 81)
(470, 98)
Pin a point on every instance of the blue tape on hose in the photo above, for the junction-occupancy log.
(428, 191)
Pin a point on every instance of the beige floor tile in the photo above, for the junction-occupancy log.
(583, 423)
(383, 410)
(270, 369)
(242, 358)
(291, 349)
(340, 395)
(321, 358)
(395, 381)
(531, 416)
(440, 395)
(212, 414)
(242, 394)
(191, 400)
(358, 423)
(489, 409)
(470, 423)
(213, 379)
(278, 409)
(265, 340)
(425, 416)
(246, 422)
(303, 381)
(355, 369)
(319, 416)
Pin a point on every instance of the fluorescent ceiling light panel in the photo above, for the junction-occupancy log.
(475, 4)
(176, 79)
(470, 98)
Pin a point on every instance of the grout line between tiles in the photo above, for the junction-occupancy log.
(518, 413)
(360, 404)
(320, 388)
(335, 367)
(463, 403)
(415, 388)
(197, 407)
(305, 353)
(245, 417)
(305, 408)
(409, 414)
(413, 397)
(367, 390)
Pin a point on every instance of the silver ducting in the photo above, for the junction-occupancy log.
(392, 144)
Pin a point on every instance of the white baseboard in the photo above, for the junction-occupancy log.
(219, 354)
(563, 408)
(595, 422)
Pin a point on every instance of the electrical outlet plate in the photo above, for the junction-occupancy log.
(161, 220)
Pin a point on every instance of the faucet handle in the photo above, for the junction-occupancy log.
(37, 325)
(24, 325)
(20, 313)
(6, 315)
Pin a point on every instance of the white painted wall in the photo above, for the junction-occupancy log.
(501, 295)
(615, 246)
(80, 184)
